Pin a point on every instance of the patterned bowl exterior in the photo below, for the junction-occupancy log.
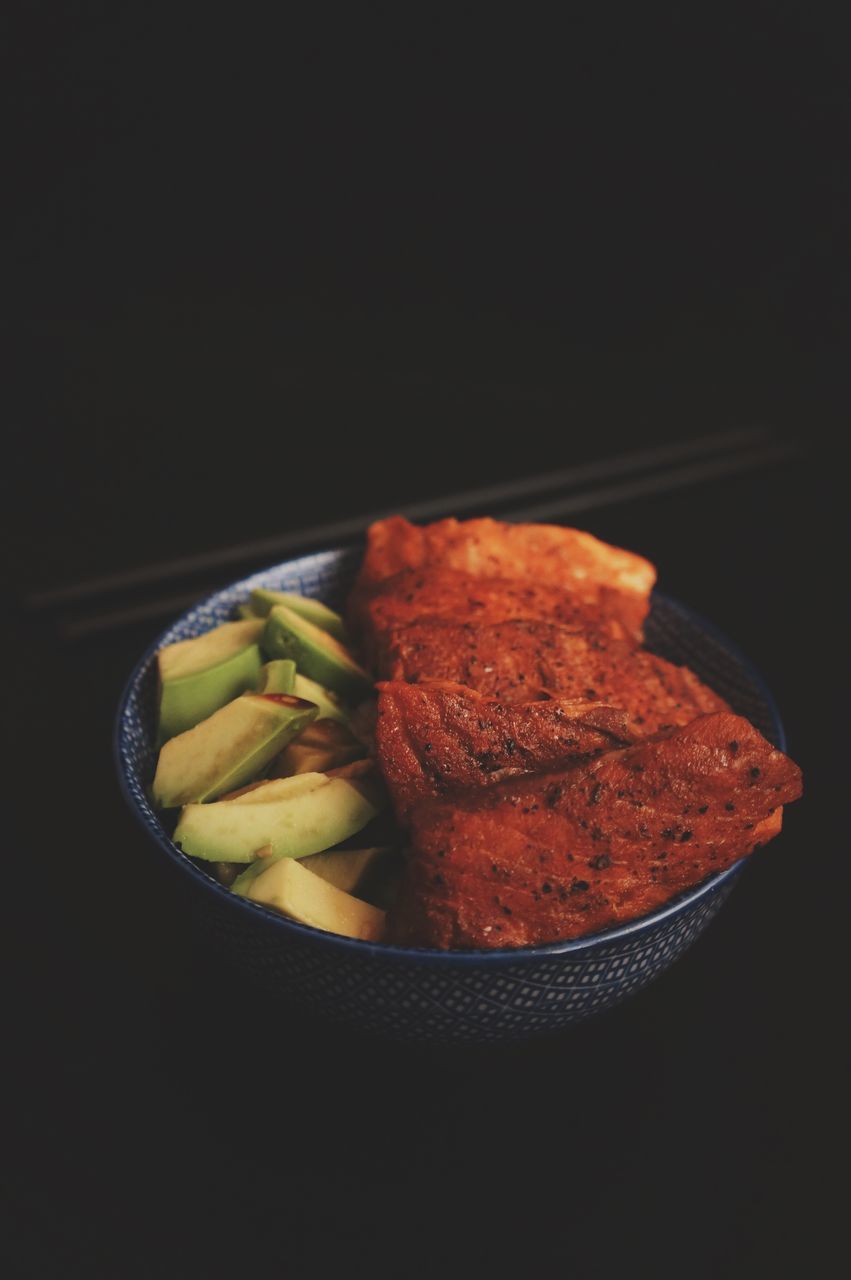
(412, 994)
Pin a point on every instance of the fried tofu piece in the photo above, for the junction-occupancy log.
(489, 548)
(556, 856)
(548, 555)
(438, 738)
(519, 661)
(454, 596)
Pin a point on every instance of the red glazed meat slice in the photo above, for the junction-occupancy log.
(545, 554)
(451, 595)
(517, 661)
(434, 739)
(556, 856)
(489, 548)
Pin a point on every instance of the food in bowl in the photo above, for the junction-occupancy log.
(556, 855)
(550, 776)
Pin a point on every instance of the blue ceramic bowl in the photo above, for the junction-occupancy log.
(420, 994)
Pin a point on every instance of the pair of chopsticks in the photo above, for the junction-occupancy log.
(92, 607)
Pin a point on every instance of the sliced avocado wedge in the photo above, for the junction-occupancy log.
(323, 745)
(292, 817)
(229, 748)
(278, 677)
(263, 601)
(290, 888)
(278, 789)
(347, 869)
(330, 706)
(188, 657)
(316, 653)
(198, 676)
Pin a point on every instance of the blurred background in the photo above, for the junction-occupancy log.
(268, 267)
(448, 248)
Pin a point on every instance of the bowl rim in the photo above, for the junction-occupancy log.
(420, 955)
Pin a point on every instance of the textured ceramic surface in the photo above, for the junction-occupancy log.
(430, 995)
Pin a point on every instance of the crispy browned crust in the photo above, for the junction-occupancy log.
(556, 856)
(544, 555)
(521, 660)
(438, 738)
(488, 548)
(452, 596)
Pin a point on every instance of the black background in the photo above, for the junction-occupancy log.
(272, 268)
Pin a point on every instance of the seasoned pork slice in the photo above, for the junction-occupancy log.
(454, 596)
(556, 856)
(434, 739)
(486, 548)
(519, 661)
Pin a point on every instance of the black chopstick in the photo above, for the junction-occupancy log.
(665, 482)
(658, 483)
(488, 499)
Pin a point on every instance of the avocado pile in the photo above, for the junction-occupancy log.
(258, 754)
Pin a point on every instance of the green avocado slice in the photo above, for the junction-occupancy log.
(263, 601)
(292, 889)
(316, 653)
(346, 869)
(229, 748)
(278, 677)
(198, 676)
(287, 818)
(330, 706)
